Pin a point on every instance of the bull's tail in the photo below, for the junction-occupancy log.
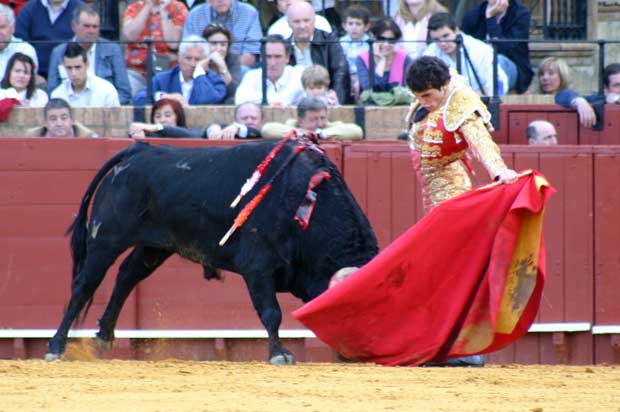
(78, 228)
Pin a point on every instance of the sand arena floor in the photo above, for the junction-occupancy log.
(97, 385)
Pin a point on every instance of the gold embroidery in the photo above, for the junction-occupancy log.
(482, 145)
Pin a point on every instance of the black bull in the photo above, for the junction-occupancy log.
(164, 200)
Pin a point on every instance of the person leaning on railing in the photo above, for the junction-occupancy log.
(583, 104)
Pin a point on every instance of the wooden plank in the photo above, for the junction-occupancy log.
(607, 235)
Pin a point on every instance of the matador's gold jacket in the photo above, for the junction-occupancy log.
(442, 142)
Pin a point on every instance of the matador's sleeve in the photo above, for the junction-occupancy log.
(482, 146)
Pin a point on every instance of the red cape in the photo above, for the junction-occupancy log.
(465, 280)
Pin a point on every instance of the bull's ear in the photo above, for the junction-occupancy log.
(341, 275)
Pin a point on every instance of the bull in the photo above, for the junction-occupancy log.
(161, 200)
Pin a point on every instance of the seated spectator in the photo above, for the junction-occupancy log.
(390, 63)
(248, 122)
(314, 46)
(59, 122)
(282, 27)
(412, 18)
(476, 57)
(504, 19)
(160, 20)
(312, 117)
(221, 59)
(188, 82)
(45, 23)
(356, 24)
(283, 80)
(19, 82)
(240, 18)
(553, 75)
(167, 120)
(9, 44)
(611, 81)
(82, 89)
(315, 81)
(541, 133)
(106, 58)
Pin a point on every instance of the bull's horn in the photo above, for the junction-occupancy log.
(341, 275)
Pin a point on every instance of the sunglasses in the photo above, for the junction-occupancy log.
(386, 39)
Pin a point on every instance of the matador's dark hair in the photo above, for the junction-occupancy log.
(426, 73)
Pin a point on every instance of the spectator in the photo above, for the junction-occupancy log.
(167, 120)
(312, 118)
(59, 122)
(315, 81)
(9, 44)
(282, 27)
(390, 64)
(356, 19)
(248, 122)
(82, 89)
(19, 82)
(504, 19)
(283, 80)
(569, 98)
(189, 82)
(190, 4)
(553, 75)
(328, 9)
(313, 46)
(106, 58)
(160, 20)
(45, 23)
(476, 57)
(240, 18)
(221, 59)
(412, 18)
(541, 133)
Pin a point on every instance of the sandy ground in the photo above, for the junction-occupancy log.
(95, 385)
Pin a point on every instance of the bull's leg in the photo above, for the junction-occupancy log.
(140, 263)
(263, 295)
(83, 289)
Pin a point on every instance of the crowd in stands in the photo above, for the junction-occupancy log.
(217, 52)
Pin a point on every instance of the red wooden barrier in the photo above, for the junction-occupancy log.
(43, 180)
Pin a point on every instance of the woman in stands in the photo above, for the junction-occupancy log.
(412, 19)
(19, 82)
(167, 120)
(554, 76)
(221, 59)
(390, 63)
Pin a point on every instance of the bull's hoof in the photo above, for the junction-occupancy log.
(103, 344)
(282, 359)
(51, 357)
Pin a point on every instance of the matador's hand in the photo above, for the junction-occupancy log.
(507, 176)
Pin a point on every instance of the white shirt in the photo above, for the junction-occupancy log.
(283, 92)
(281, 26)
(302, 57)
(481, 56)
(96, 93)
(186, 86)
(17, 45)
(38, 99)
(54, 14)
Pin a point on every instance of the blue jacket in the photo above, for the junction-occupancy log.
(33, 25)
(109, 65)
(207, 89)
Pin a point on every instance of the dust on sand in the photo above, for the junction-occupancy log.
(98, 385)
